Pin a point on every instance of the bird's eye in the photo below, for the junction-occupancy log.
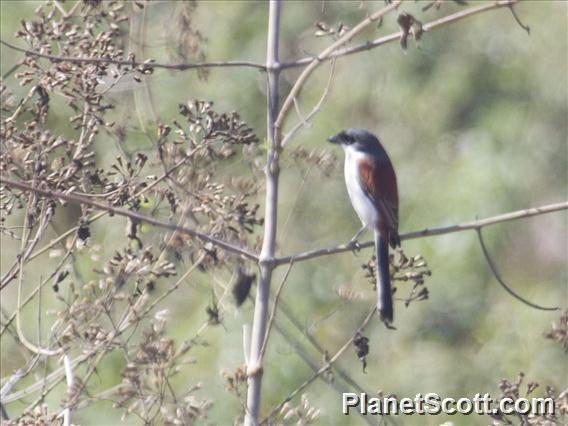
(348, 138)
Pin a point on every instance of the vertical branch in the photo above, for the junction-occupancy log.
(69, 378)
(266, 260)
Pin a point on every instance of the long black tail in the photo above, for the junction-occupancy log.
(384, 292)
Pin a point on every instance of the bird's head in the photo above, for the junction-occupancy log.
(357, 139)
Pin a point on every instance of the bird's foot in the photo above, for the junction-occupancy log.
(354, 245)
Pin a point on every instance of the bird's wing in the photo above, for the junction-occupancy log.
(384, 194)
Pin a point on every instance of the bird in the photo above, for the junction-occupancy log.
(372, 187)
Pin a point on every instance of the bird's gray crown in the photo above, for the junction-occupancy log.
(360, 139)
(361, 135)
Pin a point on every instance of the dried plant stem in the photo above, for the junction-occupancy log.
(23, 255)
(174, 286)
(13, 271)
(361, 47)
(286, 311)
(430, 232)
(302, 353)
(502, 282)
(429, 26)
(97, 216)
(323, 369)
(325, 54)
(178, 67)
(12, 380)
(80, 199)
(289, 135)
(266, 259)
(56, 376)
(69, 377)
(22, 104)
(38, 288)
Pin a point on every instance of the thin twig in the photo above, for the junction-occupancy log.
(79, 199)
(502, 282)
(13, 271)
(173, 287)
(300, 351)
(323, 369)
(523, 26)
(61, 9)
(54, 275)
(430, 232)
(97, 216)
(288, 136)
(22, 258)
(179, 67)
(12, 69)
(298, 192)
(429, 26)
(299, 111)
(23, 102)
(310, 338)
(56, 376)
(284, 65)
(274, 307)
(325, 54)
(12, 380)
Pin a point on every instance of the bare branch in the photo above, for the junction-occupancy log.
(430, 232)
(325, 54)
(69, 378)
(454, 17)
(302, 353)
(167, 173)
(502, 282)
(12, 380)
(13, 271)
(297, 63)
(178, 67)
(266, 258)
(12, 69)
(24, 252)
(51, 380)
(314, 111)
(31, 295)
(79, 199)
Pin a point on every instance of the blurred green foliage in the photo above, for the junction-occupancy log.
(474, 118)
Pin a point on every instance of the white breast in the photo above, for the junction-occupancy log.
(361, 203)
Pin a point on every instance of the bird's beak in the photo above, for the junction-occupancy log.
(333, 139)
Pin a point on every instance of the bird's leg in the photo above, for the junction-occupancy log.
(353, 243)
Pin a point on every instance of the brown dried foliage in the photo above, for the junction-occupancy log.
(559, 330)
(412, 269)
(182, 180)
(517, 389)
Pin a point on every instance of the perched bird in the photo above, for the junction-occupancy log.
(372, 188)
